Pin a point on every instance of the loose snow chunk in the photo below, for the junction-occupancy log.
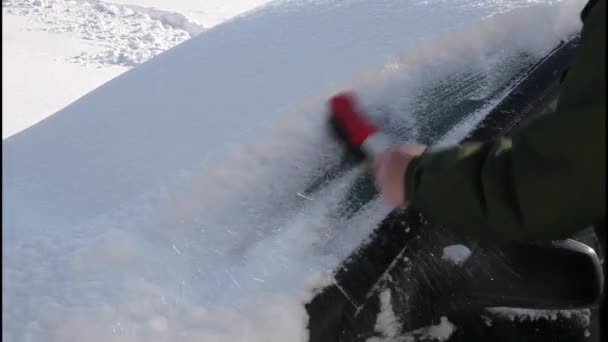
(517, 314)
(386, 322)
(456, 254)
(443, 330)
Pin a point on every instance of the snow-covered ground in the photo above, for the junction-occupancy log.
(37, 80)
(55, 51)
(164, 206)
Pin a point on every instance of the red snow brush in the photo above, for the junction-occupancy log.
(352, 126)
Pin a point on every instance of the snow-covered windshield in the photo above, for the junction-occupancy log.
(174, 203)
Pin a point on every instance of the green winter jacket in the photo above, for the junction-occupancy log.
(547, 180)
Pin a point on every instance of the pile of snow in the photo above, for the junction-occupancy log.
(38, 80)
(163, 206)
(208, 13)
(129, 34)
(83, 44)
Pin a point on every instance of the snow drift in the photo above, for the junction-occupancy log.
(164, 206)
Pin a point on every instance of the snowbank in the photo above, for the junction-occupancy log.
(38, 81)
(130, 34)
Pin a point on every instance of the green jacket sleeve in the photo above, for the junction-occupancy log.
(546, 181)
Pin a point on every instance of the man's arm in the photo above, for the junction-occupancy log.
(546, 181)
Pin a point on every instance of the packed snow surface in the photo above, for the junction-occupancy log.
(164, 206)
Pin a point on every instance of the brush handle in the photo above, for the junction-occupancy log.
(354, 128)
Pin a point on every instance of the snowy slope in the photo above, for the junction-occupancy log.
(164, 205)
